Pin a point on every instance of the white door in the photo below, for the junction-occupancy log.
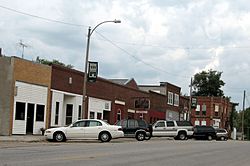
(92, 129)
(159, 128)
(76, 130)
(171, 129)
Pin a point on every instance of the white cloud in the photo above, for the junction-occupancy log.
(173, 39)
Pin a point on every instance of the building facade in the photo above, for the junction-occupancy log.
(26, 96)
(212, 111)
(172, 98)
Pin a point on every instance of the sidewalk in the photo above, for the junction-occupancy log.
(22, 138)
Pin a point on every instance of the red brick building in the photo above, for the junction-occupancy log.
(212, 111)
(110, 100)
(171, 94)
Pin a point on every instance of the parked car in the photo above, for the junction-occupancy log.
(221, 134)
(178, 129)
(204, 132)
(136, 128)
(85, 129)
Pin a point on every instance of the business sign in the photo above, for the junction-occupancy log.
(93, 71)
(142, 103)
(193, 102)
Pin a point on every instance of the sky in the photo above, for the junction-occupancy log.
(156, 41)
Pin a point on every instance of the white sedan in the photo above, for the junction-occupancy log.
(85, 129)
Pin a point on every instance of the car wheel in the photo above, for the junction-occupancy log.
(148, 137)
(209, 137)
(222, 138)
(140, 136)
(59, 137)
(105, 137)
(182, 136)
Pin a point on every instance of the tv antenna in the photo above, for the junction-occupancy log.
(21, 44)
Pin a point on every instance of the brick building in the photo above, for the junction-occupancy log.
(35, 96)
(172, 98)
(110, 100)
(212, 111)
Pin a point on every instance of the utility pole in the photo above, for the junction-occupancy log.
(23, 46)
(190, 98)
(244, 96)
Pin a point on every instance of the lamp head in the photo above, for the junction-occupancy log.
(117, 21)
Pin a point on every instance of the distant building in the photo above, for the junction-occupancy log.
(172, 98)
(212, 111)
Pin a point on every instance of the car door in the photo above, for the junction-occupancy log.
(132, 127)
(76, 130)
(159, 128)
(170, 128)
(92, 129)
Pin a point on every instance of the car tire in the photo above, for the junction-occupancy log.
(148, 137)
(140, 136)
(59, 136)
(209, 137)
(222, 138)
(104, 136)
(182, 136)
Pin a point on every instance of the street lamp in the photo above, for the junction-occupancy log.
(86, 62)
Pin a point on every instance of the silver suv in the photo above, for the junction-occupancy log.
(221, 134)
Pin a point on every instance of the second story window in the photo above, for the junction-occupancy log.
(216, 110)
(204, 109)
(197, 111)
(170, 98)
(176, 100)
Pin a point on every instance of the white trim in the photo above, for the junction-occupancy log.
(66, 93)
(119, 102)
(141, 112)
(131, 111)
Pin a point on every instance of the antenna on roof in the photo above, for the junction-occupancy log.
(21, 44)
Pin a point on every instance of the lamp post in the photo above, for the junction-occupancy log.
(86, 63)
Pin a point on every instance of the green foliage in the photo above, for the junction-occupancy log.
(208, 83)
(47, 62)
(246, 122)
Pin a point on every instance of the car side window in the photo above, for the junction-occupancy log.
(94, 123)
(160, 124)
(170, 124)
(79, 124)
(124, 123)
(132, 123)
(141, 123)
(118, 123)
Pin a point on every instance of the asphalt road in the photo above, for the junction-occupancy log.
(125, 153)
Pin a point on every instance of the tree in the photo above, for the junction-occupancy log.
(208, 83)
(47, 62)
(246, 122)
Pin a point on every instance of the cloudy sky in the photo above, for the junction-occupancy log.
(158, 40)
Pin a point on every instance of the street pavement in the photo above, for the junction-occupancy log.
(126, 152)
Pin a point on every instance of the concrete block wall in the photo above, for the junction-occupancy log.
(6, 94)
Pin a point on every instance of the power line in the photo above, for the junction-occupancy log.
(138, 59)
(179, 47)
(128, 43)
(42, 18)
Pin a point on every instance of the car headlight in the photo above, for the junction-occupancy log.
(47, 131)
